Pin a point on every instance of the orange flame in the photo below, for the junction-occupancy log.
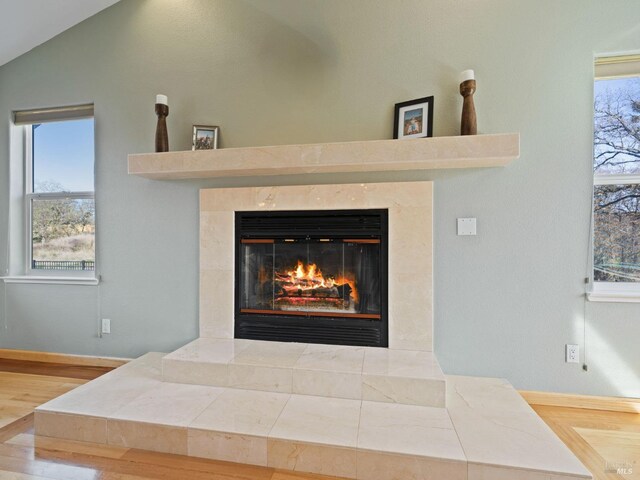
(310, 277)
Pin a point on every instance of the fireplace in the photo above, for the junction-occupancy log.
(312, 276)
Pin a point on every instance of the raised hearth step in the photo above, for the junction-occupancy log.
(359, 373)
(488, 433)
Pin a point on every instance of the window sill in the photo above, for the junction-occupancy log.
(51, 280)
(611, 296)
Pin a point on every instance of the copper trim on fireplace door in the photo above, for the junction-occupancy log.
(257, 240)
(345, 240)
(361, 240)
(311, 314)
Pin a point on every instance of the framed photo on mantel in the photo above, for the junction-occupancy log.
(205, 137)
(413, 119)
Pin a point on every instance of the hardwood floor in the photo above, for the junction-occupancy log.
(24, 385)
(603, 440)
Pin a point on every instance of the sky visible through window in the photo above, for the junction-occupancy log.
(63, 154)
(601, 86)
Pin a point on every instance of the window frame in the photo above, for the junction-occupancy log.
(609, 68)
(50, 276)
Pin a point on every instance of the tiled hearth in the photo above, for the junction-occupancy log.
(355, 412)
(377, 374)
(486, 432)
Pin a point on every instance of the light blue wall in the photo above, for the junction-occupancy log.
(290, 71)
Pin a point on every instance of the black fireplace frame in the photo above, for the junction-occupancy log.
(312, 225)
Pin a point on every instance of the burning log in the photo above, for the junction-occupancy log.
(309, 282)
(337, 291)
(344, 290)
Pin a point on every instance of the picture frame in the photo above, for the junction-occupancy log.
(413, 119)
(205, 137)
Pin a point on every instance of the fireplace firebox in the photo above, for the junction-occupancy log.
(312, 276)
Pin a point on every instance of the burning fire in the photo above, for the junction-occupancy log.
(309, 278)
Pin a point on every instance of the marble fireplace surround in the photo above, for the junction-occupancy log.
(410, 206)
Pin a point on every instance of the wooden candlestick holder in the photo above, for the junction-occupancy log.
(468, 124)
(162, 137)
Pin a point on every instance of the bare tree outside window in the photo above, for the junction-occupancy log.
(616, 200)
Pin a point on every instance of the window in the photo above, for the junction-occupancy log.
(616, 167)
(59, 200)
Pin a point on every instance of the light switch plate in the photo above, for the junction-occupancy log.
(466, 226)
(106, 326)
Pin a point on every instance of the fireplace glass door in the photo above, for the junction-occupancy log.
(312, 276)
(323, 277)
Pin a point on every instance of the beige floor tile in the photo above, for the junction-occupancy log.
(408, 430)
(274, 354)
(405, 390)
(319, 420)
(380, 466)
(306, 457)
(254, 377)
(146, 436)
(244, 412)
(173, 404)
(497, 427)
(209, 350)
(327, 384)
(71, 427)
(333, 358)
(401, 363)
(228, 447)
(195, 373)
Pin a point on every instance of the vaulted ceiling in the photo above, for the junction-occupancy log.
(25, 24)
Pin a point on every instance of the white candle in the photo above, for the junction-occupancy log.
(467, 75)
(162, 99)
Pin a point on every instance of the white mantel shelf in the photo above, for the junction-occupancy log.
(477, 151)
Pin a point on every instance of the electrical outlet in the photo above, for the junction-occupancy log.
(572, 353)
(106, 325)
